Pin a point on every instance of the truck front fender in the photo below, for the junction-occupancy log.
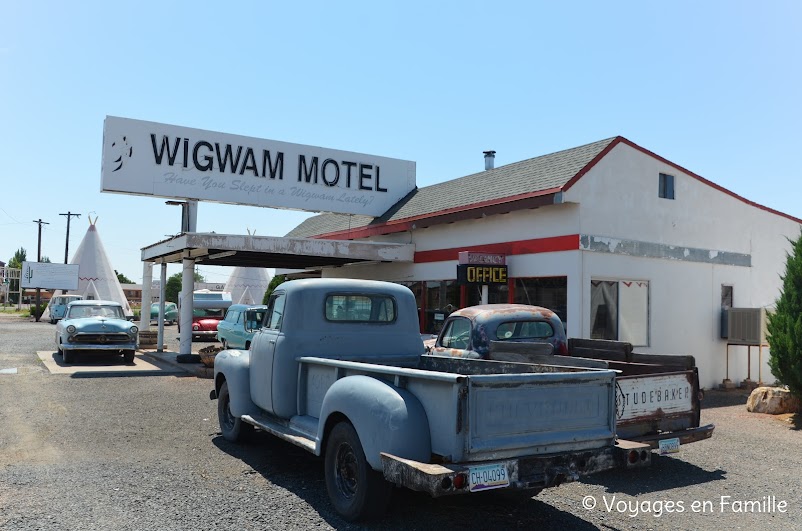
(233, 366)
(386, 418)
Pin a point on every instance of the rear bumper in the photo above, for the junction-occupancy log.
(685, 436)
(529, 472)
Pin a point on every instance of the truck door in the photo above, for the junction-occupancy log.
(263, 352)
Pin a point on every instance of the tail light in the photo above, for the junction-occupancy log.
(563, 350)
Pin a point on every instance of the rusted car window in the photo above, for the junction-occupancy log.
(457, 334)
(524, 330)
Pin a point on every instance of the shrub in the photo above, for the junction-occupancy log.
(784, 325)
(36, 312)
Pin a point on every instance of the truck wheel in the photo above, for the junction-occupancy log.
(128, 356)
(232, 428)
(355, 489)
(67, 356)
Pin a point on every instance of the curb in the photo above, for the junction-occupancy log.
(169, 358)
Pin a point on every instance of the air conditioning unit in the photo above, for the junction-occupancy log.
(746, 326)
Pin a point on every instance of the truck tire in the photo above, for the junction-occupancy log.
(231, 427)
(67, 356)
(128, 356)
(356, 491)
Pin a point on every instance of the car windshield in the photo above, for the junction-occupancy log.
(109, 312)
(208, 312)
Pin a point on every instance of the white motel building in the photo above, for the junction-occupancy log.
(620, 242)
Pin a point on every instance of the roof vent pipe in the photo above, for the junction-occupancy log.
(490, 158)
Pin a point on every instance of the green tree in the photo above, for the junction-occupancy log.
(122, 278)
(45, 260)
(274, 283)
(785, 324)
(20, 256)
(173, 287)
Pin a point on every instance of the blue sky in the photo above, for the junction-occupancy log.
(712, 86)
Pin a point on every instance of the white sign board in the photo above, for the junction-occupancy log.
(642, 397)
(148, 158)
(49, 276)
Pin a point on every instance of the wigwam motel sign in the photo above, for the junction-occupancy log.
(147, 158)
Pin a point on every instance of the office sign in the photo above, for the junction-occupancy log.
(148, 158)
(49, 276)
(481, 274)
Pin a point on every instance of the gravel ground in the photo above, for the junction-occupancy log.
(111, 453)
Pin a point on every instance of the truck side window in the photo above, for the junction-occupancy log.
(275, 311)
(457, 334)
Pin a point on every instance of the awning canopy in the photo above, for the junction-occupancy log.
(271, 251)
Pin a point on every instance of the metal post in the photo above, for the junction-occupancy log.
(147, 297)
(38, 259)
(485, 293)
(162, 285)
(67, 243)
(187, 287)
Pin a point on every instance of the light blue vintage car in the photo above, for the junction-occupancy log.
(241, 322)
(59, 305)
(94, 326)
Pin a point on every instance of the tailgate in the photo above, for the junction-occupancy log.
(653, 403)
(529, 414)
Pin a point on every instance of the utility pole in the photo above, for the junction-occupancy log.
(67, 244)
(38, 259)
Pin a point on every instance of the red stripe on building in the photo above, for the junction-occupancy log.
(554, 244)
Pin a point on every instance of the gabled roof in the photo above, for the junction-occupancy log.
(527, 184)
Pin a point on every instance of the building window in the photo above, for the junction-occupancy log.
(442, 298)
(548, 292)
(496, 294)
(619, 310)
(666, 186)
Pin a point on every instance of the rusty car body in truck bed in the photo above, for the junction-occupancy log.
(658, 399)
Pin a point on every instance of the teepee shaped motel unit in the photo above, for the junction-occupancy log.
(248, 285)
(96, 277)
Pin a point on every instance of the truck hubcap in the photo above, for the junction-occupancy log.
(346, 469)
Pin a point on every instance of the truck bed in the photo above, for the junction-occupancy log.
(495, 409)
(657, 396)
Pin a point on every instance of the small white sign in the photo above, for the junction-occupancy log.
(49, 276)
(148, 158)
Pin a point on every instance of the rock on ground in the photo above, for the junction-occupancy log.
(772, 400)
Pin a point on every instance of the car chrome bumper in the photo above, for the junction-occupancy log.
(106, 347)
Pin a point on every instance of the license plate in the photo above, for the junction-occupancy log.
(669, 446)
(488, 477)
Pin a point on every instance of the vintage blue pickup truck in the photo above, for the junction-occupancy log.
(337, 369)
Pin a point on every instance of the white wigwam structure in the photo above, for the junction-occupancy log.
(96, 278)
(247, 285)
